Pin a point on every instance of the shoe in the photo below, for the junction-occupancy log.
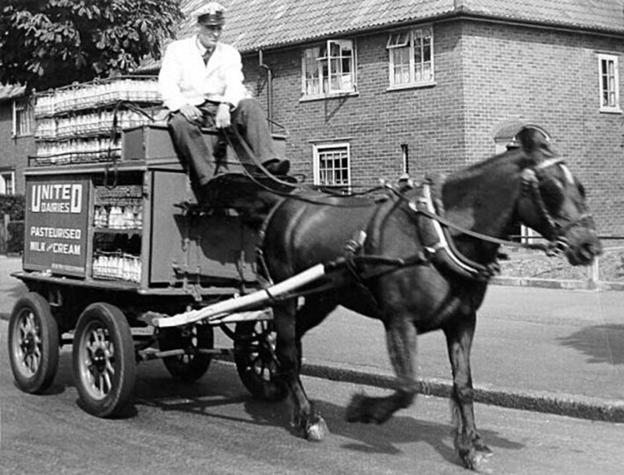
(205, 193)
(277, 166)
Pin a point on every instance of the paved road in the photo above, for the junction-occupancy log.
(214, 427)
(552, 344)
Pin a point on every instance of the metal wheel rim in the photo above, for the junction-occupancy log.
(261, 350)
(97, 360)
(28, 343)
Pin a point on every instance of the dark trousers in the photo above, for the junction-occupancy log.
(248, 117)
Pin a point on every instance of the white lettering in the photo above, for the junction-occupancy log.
(57, 198)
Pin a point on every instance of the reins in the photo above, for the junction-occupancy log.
(238, 139)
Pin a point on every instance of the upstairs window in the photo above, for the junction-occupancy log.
(411, 57)
(331, 165)
(22, 118)
(7, 183)
(609, 83)
(328, 69)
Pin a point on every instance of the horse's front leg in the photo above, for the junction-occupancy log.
(468, 442)
(305, 421)
(401, 343)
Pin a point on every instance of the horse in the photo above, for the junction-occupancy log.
(400, 273)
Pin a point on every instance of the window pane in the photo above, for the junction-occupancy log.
(23, 118)
(325, 74)
(6, 184)
(312, 71)
(608, 82)
(398, 40)
(333, 166)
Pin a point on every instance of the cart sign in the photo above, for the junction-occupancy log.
(56, 225)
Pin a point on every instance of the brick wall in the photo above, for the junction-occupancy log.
(375, 121)
(550, 79)
(485, 75)
(13, 150)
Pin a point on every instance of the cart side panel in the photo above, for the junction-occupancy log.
(205, 247)
(56, 224)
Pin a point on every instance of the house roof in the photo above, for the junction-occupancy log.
(10, 92)
(264, 24)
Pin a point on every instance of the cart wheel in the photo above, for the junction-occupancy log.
(254, 355)
(192, 365)
(104, 360)
(33, 343)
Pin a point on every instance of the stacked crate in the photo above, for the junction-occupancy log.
(82, 122)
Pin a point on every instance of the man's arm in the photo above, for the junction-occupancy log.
(233, 76)
(168, 79)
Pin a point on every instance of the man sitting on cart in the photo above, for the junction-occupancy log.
(201, 82)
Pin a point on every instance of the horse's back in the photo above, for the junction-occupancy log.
(310, 229)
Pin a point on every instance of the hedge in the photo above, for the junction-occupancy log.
(13, 205)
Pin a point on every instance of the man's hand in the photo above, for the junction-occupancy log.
(191, 112)
(222, 119)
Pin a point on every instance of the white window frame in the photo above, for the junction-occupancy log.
(22, 106)
(609, 82)
(3, 183)
(410, 41)
(318, 151)
(325, 87)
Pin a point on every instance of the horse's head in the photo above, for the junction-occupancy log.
(552, 201)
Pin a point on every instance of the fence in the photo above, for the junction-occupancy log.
(534, 268)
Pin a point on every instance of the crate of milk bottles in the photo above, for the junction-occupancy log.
(117, 266)
(96, 94)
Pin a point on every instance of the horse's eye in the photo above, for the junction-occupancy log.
(581, 190)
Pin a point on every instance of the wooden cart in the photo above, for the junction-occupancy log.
(112, 250)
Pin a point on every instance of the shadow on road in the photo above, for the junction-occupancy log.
(199, 398)
(601, 343)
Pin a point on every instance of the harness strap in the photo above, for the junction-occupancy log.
(439, 244)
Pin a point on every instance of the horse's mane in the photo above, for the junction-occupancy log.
(533, 148)
(509, 157)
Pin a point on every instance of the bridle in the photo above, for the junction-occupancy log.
(552, 230)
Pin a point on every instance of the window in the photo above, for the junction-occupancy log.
(328, 69)
(22, 118)
(331, 165)
(411, 57)
(7, 183)
(609, 83)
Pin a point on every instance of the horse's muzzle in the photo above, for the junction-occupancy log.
(582, 246)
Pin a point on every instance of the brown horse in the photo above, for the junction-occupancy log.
(411, 281)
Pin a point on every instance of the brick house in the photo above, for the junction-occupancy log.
(369, 89)
(16, 138)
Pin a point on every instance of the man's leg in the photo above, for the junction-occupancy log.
(251, 120)
(191, 147)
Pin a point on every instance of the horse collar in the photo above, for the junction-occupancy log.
(438, 242)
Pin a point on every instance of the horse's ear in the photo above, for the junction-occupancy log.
(532, 140)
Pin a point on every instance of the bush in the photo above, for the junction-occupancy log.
(15, 243)
(13, 205)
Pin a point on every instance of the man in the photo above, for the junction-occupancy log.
(201, 82)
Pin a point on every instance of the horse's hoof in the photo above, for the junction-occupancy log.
(317, 431)
(476, 461)
(483, 449)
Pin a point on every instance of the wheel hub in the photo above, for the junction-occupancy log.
(29, 344)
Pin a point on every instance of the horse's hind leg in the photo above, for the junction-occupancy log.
(401, 343)
(468, 442)
(306, 422)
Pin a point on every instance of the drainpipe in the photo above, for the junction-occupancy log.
(269, 76)
(405, 159)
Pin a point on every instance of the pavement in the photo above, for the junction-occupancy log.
(553, 350)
